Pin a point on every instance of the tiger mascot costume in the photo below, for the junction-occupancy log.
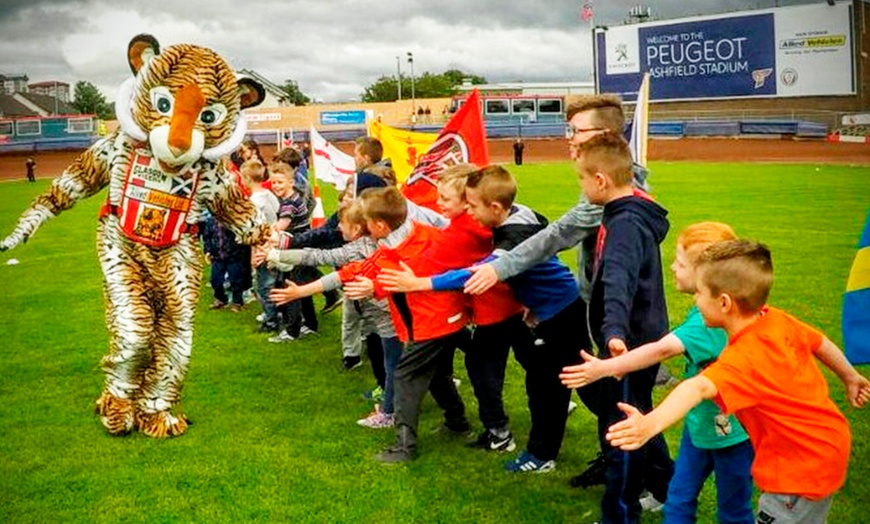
(178, 116)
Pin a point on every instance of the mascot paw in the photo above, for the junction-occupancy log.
(117, 414)
(162, 424)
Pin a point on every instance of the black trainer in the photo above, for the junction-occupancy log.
(489, 441)
(594, 474)
(349, 363)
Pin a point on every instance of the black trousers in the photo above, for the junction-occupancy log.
(486, 356)
(627, 473)
(426, 366)
(554, 344)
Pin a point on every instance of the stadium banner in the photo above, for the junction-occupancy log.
(790, 51)
(331, 118)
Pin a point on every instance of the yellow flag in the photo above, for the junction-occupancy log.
(403, 148)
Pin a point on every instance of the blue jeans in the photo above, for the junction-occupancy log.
(392, 353)
(731, 466)
(265, 283)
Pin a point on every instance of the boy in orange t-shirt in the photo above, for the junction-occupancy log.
(768, 378)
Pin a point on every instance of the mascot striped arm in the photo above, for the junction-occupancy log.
(178, 116)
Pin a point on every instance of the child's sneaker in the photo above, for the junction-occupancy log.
(648, 502)
(489, 441)
(594, 474)
(528, 463)
(351, 362)
(304, 331)
(377, 419)
(282, 337)
(260, 318)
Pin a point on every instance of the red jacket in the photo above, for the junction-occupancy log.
(417, 316)
(463, 243)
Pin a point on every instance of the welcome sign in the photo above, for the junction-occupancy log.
(796, 51)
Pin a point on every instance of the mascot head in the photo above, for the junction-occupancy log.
(185, 102)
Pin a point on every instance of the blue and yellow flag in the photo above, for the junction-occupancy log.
(856, 304)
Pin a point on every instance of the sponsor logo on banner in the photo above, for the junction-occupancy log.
(788, 76)
(623, 56)
(760, 76)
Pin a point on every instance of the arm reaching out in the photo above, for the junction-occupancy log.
(857, 386)
(638, 358)
(637, 428)
(403, 280)
(483, 278)
(294, 292)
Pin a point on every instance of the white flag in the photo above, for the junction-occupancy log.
(331, 165)
(640, 125)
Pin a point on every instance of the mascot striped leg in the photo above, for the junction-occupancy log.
(129, 317)
(177, 284)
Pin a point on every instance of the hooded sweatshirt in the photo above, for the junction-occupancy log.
(628, 298)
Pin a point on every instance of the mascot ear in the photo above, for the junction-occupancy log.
(251, 92)
(141, 49)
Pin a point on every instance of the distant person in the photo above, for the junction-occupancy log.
(519, 146)
(31, 168)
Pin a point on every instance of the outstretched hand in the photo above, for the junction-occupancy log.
(280, 296)
(359, 289)
(399, 280)
(582, 374)
(631, 433)
(483, 278)
(858, 391)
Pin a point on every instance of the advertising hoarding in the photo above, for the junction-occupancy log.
(793, 51)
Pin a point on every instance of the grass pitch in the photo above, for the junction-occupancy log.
(274, 437)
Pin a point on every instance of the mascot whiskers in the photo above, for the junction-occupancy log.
(178, 116)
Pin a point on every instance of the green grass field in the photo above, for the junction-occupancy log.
(275, 438)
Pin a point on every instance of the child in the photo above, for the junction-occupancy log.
(496, 315)
(429, 323)
(768, 378)
(227, 264)
(293, 219)
(711, 442)
(253, 174)
(626, 309)
(373, 315)
(550, 293)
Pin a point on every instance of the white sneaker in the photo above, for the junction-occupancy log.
(261, 318)
(304, 331)
(282, 337)
(649, 503)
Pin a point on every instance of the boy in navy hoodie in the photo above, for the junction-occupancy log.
(627, 309)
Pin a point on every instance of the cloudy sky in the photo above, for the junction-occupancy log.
(332, 48)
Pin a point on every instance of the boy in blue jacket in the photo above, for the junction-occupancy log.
(626, 309)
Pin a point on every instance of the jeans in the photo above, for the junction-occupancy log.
(392, 347)
(265, 283)
(731, 466)
(234, 270)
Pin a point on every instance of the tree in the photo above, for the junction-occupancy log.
(88, 99)
(427, 85)
(294, 94)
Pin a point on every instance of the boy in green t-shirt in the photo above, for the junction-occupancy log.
(711, 442)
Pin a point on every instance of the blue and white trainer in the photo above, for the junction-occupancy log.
(528, 463)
